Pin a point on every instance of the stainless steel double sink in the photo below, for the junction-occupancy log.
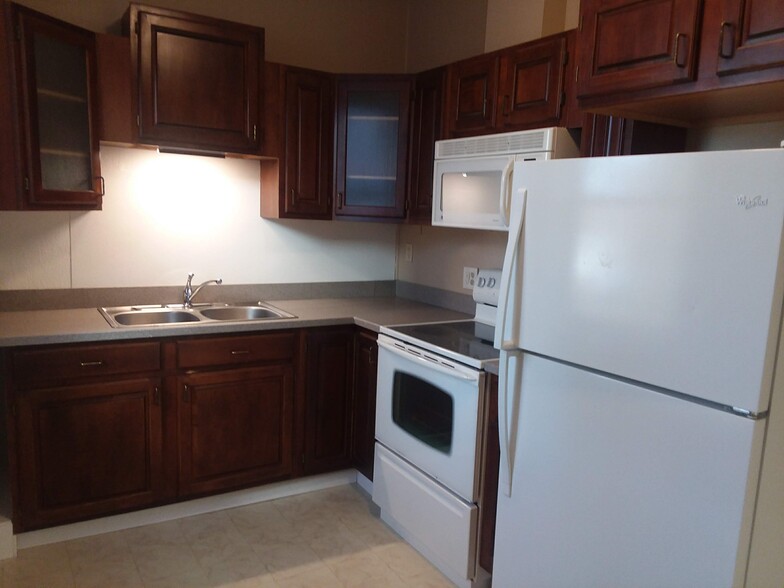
(162, 314)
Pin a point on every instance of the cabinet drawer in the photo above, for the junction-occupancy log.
(196, 353)
(34, 367)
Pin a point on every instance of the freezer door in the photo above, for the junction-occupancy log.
(616, 485)
(660, 268)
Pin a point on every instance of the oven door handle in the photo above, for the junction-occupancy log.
(466, 374)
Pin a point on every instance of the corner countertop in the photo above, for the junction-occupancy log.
(45, 327)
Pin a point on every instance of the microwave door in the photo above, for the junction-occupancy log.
(470, 192)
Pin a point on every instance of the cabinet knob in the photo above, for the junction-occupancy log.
(727, 40)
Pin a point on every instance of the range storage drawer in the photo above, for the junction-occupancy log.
(57, 365)
(433, 520)
(217, 351)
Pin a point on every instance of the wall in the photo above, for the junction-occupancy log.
(167, 215)
(510, 22)
(439, 254)
(761, 135)
(444, 31)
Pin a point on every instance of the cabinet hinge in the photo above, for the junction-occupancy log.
(27, 184)
(303, 458)
(565, 58)
(255, 132)
(138, 121)
(13, 409)
(580, 27)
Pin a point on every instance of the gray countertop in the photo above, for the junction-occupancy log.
(39, 327)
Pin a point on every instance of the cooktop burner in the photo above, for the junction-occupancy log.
(469, 341)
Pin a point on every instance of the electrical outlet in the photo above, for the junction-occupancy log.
(469, 277)
(409, 255)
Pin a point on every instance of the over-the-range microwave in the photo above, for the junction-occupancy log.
(472, 177)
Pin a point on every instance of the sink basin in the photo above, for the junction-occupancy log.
(157, 317)
(240, 313)
(141, 316)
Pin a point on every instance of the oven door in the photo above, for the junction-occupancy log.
(427, 411)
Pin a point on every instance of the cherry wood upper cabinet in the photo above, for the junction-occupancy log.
(299, 131)
(520, 87)
(10, 165)
(426, 124)
(532, 84)
(751, 35)
(472, 88)
(636, 44)
(198, 80)
(56, 80)
(371, 156)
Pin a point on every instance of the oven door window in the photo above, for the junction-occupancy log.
(423, 411)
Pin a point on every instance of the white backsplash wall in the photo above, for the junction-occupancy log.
(439, 254)
(167, 215)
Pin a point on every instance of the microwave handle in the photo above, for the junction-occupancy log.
(506, 190)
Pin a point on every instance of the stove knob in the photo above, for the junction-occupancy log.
(490, 282)
(482, 282)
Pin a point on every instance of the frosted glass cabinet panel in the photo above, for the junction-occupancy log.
(372, 119)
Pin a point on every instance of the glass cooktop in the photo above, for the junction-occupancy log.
(468, 341)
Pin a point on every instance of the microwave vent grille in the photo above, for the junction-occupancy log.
(500, 144)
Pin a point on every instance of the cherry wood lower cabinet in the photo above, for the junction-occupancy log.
(328, 399)
(235, 405)
(235, 428)
(364, 411)
(86, 439)
(99, 429)
(489, 494)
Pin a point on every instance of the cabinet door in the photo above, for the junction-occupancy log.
(372, 147)
(364, 416)
(472, 88)
(307, 165)
(751, 35)
(328, 397)
(636, 44)
(425, 131)
(198, 80)
(56, 68)
(235, 428)
(87, 450)
(10, 165)
(611, 135)
(531, 88)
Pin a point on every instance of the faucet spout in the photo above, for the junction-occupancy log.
(189, 292)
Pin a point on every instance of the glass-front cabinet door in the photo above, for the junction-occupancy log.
(56, 66)
(372, 146)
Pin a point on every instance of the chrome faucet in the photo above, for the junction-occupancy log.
(189, 292)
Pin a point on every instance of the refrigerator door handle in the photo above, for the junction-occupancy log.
(506, 336)
(508, 384)
(506, 181)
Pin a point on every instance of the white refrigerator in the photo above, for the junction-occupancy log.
(638, 324)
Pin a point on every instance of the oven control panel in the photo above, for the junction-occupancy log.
(487, 286)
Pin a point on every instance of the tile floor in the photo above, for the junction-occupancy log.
(324, 539)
